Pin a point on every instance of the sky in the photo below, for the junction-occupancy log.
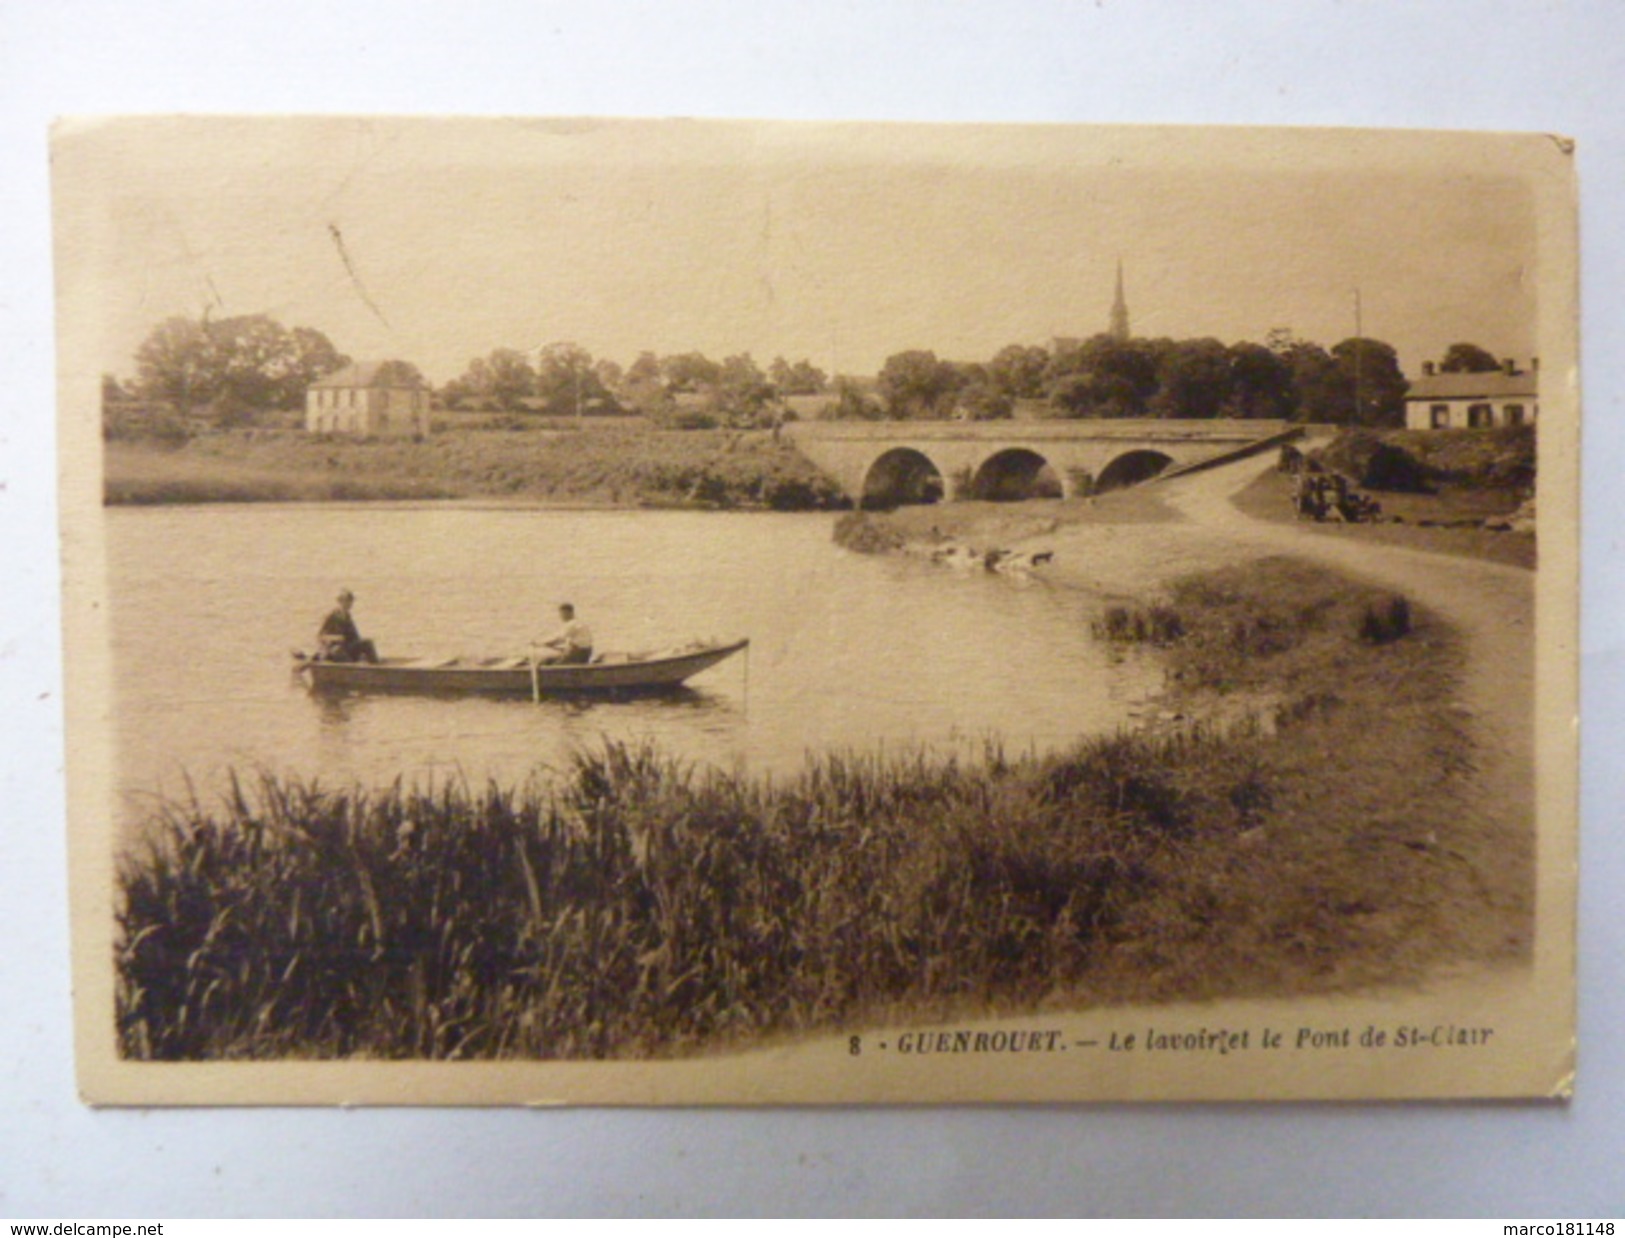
(438, 241)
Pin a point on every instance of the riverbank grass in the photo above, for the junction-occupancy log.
(624, 463)
(637, 906)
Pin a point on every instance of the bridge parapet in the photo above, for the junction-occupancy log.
(1057, 430)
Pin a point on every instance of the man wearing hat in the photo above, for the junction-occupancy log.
(339, 640)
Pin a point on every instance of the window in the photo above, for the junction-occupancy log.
(1514, 414)
(1439, 416)
(1479, 415)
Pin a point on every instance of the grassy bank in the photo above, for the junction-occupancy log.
(1488, 460)
(637, 906)
(145, 476)
(617, 463)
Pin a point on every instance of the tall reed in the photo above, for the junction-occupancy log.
(638, 906)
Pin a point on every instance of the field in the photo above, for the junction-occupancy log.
(1279, 844)
(621, 462)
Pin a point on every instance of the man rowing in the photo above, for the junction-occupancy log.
(573, 644)
(339, 640)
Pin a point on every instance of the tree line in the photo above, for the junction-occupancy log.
(1357, 381)
(682, 390)
(228, 369)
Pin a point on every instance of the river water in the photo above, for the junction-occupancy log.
(847, 651)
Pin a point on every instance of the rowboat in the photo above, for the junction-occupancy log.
(606, 675)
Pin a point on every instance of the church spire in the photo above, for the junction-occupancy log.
(1119, 325)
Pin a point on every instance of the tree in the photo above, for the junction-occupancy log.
(1377, 385)
(234, 366)
(400, 374)
(851, 403)
(567, 382)
(983, 402)
(915, 385)
(802, 378)
(644, 386)
(312, 357)
(1260, 383)
(741, 391)
(1468, 359)
(689, 372)
(1193, 380)
(1104, 377)
(1018, 371)
(455, 392)
(610, 374)
(256, 355)
(1280, 340)
(176, 364)
(503, 378)
(1321, 390)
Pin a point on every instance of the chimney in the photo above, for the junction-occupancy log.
(1509, 366)
(1427, 368)
(1534, 364)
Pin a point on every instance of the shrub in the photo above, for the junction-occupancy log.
(1376, 462)
(1155, 625)
(858, 531)
(144, 422)
(1385, 621)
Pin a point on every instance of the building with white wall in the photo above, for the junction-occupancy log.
(1504, 397)
(384, 398)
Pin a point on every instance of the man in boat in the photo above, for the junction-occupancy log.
(573, 644)
(339, 640)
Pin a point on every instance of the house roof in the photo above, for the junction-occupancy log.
(369, 374)
(1488, 385)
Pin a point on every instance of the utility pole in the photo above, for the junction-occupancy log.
(1359, 362)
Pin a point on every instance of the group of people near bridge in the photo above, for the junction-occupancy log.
(1321, 495)
(340, 640)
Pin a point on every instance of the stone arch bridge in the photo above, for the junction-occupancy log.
(889, 462)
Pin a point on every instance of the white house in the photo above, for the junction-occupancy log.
(1505, 397)
(369, 397)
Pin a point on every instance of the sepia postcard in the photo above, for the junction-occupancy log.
(574, 611)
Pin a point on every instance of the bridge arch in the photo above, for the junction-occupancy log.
(1016, 473)
(1132, 467)
(901, 476)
